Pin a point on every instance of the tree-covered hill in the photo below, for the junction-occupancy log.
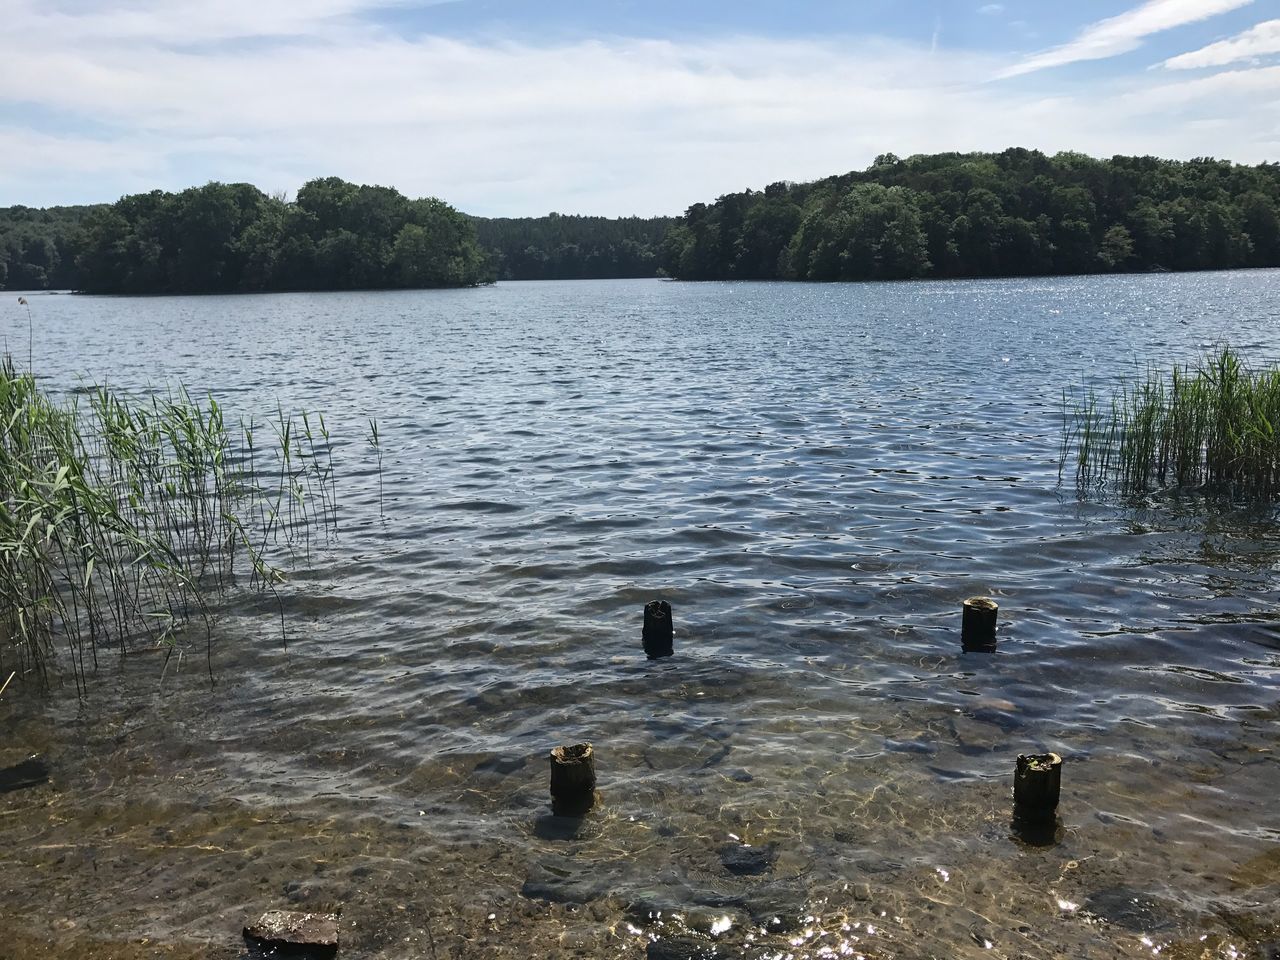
(38, 247)
(1016, 213)
(223, 238)
(335, 235)
(558, 247)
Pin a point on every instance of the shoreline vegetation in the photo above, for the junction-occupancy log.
(121, 517)
(1209, 428)
(560, 247)
(233, 238)
(1018, 213)
(1013, 214)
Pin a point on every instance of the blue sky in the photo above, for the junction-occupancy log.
(615, 107)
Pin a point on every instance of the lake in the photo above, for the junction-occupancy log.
(815, 477)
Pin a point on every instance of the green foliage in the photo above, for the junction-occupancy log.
(559, 247)
(226, 238)
(37, 247)
(1016, 213)
(869, 233)
(117, 521)
(1116, 251)
(1214, 427)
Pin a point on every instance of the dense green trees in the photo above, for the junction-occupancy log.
(1016, 213)
(223, 238)
(37, 247)
(559, 247)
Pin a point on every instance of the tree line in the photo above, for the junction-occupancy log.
(38, 247)
(559, 247)
(232, 237)
(1016, 213)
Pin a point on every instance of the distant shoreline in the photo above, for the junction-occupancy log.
(772, 282)
(1019, 213)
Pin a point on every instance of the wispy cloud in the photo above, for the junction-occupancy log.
(1260, 41)
(1123, 33)
(182, 21)
(991, 9)
(1256, 86)
(27, 152)
(612, 127)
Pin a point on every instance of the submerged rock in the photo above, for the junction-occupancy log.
(557, 880)
(1260, 871)
(868, 865)
(681, 948)
(295, 934)
(743, 860)
(1133, 910)
(31, 772)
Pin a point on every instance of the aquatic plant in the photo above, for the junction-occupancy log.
(1213, 427)
(31, 332)
(375, 441)
(118, 520)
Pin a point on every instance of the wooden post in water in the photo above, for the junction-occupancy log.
(658, 630)
(1037, 786)
(978, 625)
(573, 780)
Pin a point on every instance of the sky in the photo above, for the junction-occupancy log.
(610, 107)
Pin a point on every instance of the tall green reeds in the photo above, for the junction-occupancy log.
(375, 441)
(119, 517)
(1213, 427)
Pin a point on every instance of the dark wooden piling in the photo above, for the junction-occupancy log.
(573, 780)
(978, 625)
(658, 633)
(1037, 786)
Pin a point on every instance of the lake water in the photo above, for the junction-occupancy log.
(815, 477)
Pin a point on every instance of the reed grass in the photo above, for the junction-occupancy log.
(375, 441)
(1212, 427)
(120, 517)
(31, 332)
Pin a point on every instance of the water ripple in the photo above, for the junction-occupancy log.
(815, 477)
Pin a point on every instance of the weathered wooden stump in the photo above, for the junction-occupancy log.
(291, 934)
(978, 625)
(1037, 785)
(573, 780)
(658, 633)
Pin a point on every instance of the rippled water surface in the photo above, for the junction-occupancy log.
(815, 477)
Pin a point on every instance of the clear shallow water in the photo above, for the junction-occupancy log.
(815, 477)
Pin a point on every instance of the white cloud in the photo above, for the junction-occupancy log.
(28, 153)
(609, 127)
(1256, 86)
(1259, 41)
(991, 9)
(1123, 33)
(185, 21)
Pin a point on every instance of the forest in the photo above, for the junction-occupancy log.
(38, 247)
(232, 238)
(1015, 213)
(559, 247)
